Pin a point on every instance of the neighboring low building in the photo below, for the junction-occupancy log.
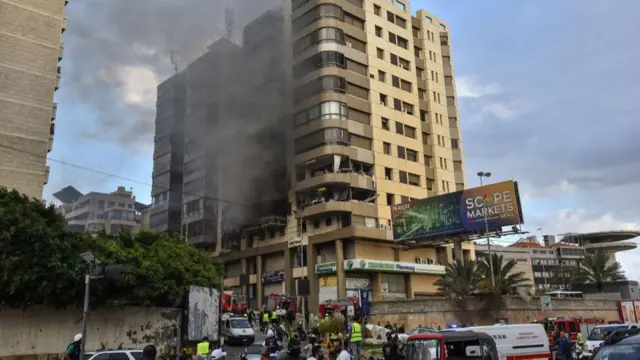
(521, 256)
(610, 242)
(628, 290)
(95, 211)
(548, 266)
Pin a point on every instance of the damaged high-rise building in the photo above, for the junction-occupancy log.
(341, 109)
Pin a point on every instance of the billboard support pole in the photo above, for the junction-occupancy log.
(482, 174)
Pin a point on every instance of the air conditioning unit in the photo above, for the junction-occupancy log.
(349, 44)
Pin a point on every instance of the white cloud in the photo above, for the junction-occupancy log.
(500, 110)
(136, 84)
(469, 87)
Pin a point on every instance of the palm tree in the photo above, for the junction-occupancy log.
(597, 268)
(460, 279)
(507, 280)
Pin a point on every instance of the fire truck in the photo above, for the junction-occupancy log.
(233, 303)
(283, 305)
(571, 326)
(348, 306)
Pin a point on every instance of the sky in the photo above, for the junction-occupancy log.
(547, 92)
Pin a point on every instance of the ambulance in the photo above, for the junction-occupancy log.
(517, 342)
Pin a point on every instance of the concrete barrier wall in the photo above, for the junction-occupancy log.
(442, 312)
(41, 332)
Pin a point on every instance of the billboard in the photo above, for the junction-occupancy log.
(461, 212)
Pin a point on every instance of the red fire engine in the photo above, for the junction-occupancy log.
(282, 304)
(347, 306)
(571, 326)
(233, 303)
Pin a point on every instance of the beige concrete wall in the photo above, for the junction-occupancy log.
(440, 311)
(46, 332)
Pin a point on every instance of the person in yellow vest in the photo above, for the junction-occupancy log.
(580, 339)
(355, 338)
(274, 315)
(265, 321)
(203, 347)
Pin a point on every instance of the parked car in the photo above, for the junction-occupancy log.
(116, 355)
(420, 330)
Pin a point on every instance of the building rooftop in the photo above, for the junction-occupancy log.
(600, 236)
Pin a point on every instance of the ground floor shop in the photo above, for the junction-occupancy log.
(335, 269)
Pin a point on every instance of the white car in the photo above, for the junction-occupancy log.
(116, 355)
(421, 330)
(596, 337)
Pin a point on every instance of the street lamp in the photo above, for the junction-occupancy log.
(91, 260)
(481, 175)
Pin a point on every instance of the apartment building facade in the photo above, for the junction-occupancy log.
(373, 123)
(549, 265)
(30, 34)
(96, 212)
(165, 213)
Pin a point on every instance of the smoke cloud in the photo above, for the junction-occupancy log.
(121, 50)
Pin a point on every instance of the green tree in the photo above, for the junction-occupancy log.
(460, 279)
(40, 263)
(597, 268)
(158, 268)
(507, 280)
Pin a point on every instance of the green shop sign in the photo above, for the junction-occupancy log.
(392, 266)
(327, 268)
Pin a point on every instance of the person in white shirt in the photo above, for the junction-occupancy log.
(316, 353)
(342, 353)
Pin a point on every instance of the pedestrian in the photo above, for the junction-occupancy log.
(316, 353)
(203, 347)
(564, 347)
(390, 349)
(218, 354)
(149, 353)
(265, 321)
(355, 338)
(74, 349)
(339, 348)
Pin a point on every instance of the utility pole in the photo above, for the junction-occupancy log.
(482, 174)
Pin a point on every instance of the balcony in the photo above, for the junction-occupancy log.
(65, 22)
(358, 154)
(353, 179)
(353, 231)
(61, 52)
(47, 170)
(50, 145)
(355, 207)
(54, 111)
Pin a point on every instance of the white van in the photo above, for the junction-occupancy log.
(517, 342)
(596, 336)
(237, 330)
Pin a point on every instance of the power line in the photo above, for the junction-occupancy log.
(104, 173)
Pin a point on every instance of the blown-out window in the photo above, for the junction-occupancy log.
(320, 60)
(327, 34)
(324, 110)
(328, 136)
